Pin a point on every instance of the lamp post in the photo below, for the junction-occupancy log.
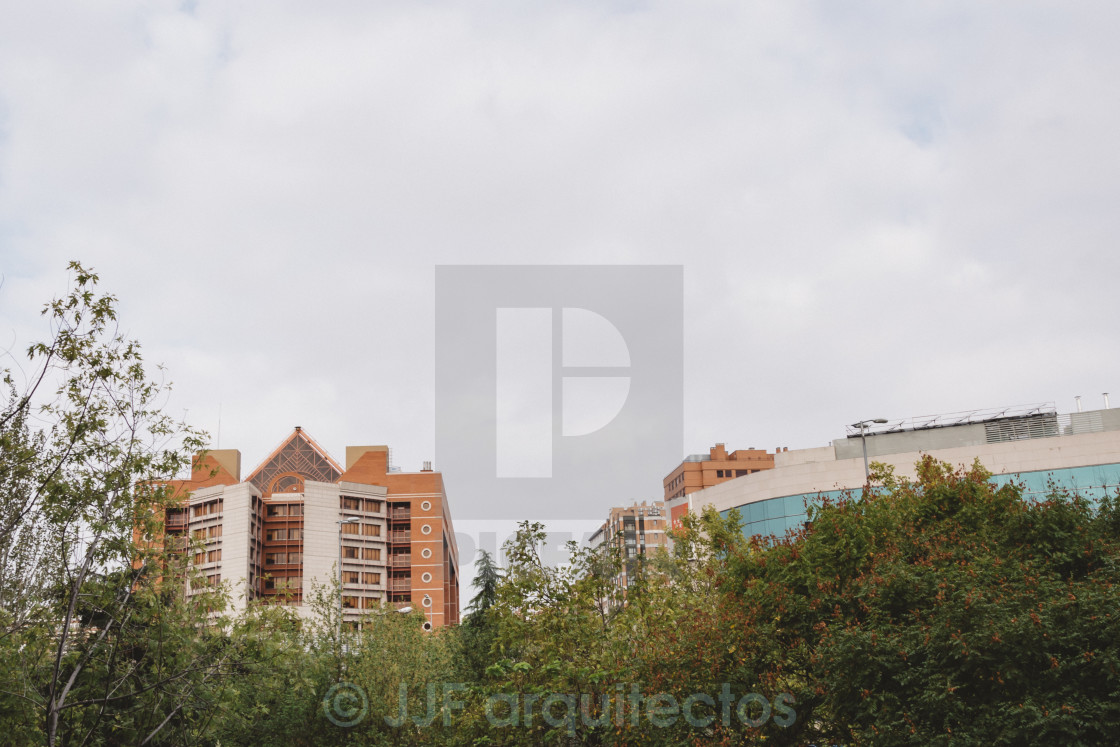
(862, 425)
(351, 520)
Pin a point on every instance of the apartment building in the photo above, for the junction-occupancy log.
(638, 531)
(699, 471)
(1032, 445)
(300, 518)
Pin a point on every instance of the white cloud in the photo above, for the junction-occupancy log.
(882, 209)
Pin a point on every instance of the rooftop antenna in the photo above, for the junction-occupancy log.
(1077, 399)
(1105, 394)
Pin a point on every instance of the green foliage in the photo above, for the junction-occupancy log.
(942, 610)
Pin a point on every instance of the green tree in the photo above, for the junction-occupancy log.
(103, 645)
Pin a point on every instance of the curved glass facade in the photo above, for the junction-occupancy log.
(778, 515)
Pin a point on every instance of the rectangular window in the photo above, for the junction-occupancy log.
(213, 556)
(276, 534)
(350, 577)
(371, 578)
(275, 558)
(295, 557)
(295, 582)
(349, 528)
(371, 553)
(295, 510)
(295, 534)
(371, 530)
(372, 505)
(350, 552)
(349, 602)
(280, 510)
(214, 531)
(351, 504)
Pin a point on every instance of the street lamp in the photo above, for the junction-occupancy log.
(351, 520)
(862, 425)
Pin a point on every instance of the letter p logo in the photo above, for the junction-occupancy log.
(557, 388)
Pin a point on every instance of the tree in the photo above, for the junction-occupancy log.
(89, 597)
(943, 610)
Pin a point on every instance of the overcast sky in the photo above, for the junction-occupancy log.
(882, 209)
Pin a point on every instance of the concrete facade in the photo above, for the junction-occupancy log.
(1081, 452)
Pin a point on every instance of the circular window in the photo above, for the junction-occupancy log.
(427, 578)
(426, 529)
(426, 552)
(427, 626)
(427, 602)
(426, 506)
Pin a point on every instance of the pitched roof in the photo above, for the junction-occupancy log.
(296, 459)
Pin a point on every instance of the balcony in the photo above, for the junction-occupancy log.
(400, 536)
(399, 561)
(399, 513)
(400, 585)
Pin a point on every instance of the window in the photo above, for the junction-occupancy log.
(350, 577)
(199, 558)
(280, 510)
(372, 505)
(295, 534)
(349, 602)
(272, 535)
(349, 528)
(351, 504)
(295, 582)
(213, 556)
(371, 530)
(371, 553)
(371, 578)
(295, 510)
(370, 603)
(295, 557)
(214, 531)
(350, 552)
(275, 558)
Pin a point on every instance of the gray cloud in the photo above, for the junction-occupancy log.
(882, 209)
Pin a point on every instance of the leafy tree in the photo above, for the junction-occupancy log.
(89, 598)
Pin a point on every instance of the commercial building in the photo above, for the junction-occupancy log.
(300, 513)
(698, 471)
(1032, 445)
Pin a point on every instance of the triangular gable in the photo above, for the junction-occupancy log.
(297, 459)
